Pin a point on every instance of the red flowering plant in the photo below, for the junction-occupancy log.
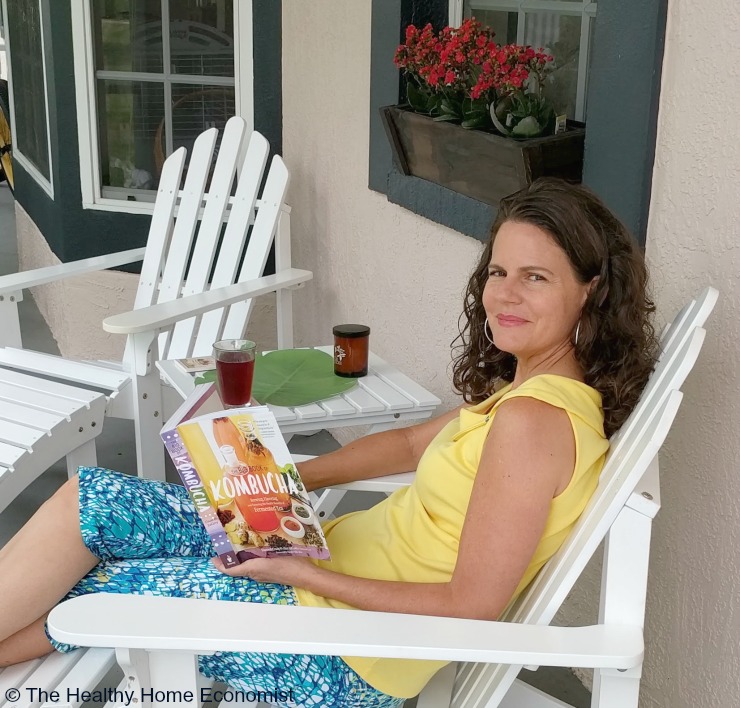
(460, 72)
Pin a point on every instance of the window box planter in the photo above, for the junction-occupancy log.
(477, 163)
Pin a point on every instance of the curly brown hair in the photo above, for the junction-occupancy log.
(617, 347)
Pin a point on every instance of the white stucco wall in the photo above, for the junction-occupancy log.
(375, 262)
(693, 617)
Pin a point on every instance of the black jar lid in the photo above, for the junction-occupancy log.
(351, 330)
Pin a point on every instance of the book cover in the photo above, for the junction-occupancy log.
(237, 468)
(196, 364)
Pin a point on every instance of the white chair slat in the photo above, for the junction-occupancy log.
(408, 387)
(47, 390)
(240, 217)
(14, 676)
(90, 669)
(684, 325)
(681, 316)
(48, 673)
(191, 197)
(694, 314)
(209, 233)
(10, 455)
(41, 420)
(160, 228)
(363, 400)
(311, 411)
(260, 240)
(394, 400)
(338, 407)
(83, 372)
(39, 400)
(20, 435)
(282, 413)
(187, 216)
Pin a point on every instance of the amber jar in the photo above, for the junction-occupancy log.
(351, 349)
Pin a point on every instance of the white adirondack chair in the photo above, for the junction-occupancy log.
(177, 311)
(157, 639)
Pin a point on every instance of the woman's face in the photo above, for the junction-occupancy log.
(532, 298)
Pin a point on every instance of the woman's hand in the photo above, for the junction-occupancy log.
(287, 570)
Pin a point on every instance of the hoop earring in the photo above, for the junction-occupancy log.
(578, 331)
(486, 330)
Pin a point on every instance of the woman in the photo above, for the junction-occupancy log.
(556, 348)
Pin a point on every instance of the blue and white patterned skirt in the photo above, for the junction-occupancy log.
(151, 542)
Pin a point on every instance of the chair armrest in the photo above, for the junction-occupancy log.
(387, 483)
(42, 276)
(184, 624)
(167, 314)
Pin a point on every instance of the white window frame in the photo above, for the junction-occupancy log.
(25, 162)
(85, 94)
(586, 9)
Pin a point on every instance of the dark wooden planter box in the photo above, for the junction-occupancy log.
(480, 164)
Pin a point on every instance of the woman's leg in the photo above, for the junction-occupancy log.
(30, 643)
(98, 514)
(40, 564)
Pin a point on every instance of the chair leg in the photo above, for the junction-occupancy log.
(614, 689)
(522, 695)
(325, 503)
(438, 692)
(84, 456)
(623, 593)
(10, 326)
(147, 395)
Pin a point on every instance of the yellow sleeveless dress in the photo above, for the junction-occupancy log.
(413, 535)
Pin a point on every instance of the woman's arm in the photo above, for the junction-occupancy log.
(373, 455)
(528, 457)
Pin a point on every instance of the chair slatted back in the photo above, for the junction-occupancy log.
(260, 240)
(197, 236)
(242, 215)
(631, 452)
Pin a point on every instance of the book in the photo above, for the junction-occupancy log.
(196, 364)
(239, 473)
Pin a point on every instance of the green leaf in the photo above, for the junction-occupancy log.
(477, 122)
(417, 98)
(206, 377)
(295, 377)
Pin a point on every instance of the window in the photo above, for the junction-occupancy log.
(23, 20)
(150, 91)
(564, 28)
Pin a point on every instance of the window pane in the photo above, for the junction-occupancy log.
(195, 108)
(559, 35)
(27, 74)
(131, 126)
(128, 35)
(502, 22)
(202, 37)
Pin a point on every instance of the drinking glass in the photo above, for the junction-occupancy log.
(234, 371)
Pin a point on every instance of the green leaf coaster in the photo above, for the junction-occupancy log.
(293, 377)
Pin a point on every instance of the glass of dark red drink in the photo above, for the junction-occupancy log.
(234, 371)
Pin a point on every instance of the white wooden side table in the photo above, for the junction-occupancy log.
(382, 399)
